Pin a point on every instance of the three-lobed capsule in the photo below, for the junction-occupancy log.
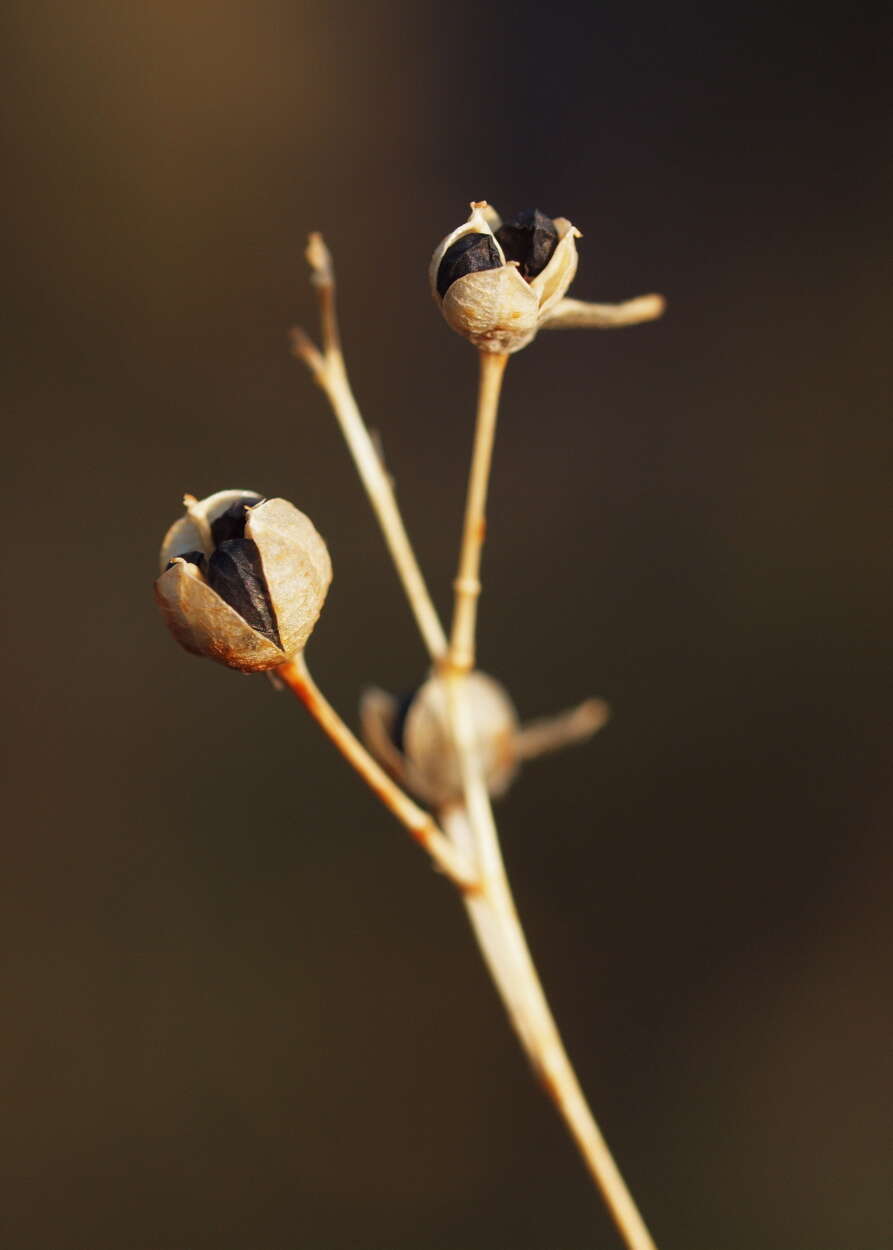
(412, 736)
(243, 579)
(496, 282)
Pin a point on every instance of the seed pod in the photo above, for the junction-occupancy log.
(412, 737)
(495, 282)
(243, 579)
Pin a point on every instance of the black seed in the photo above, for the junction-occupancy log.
(235, 572)
(530, 240)
(231, 524)
(467, 255)
(191, 557)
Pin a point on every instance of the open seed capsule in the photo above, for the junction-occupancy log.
(495, 282)
(243, 579)
(412, 738)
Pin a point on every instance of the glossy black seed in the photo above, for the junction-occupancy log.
(235, 572)
(467, 255)
(191, 557)
(530, 239)
(398, 729)
(231, 524)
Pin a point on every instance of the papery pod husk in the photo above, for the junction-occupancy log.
(552, 283)
(206, 625)
(479, 222)
(296, 565)
(495, 309)
(192, 531)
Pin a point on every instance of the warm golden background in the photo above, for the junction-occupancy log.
(240, 1012)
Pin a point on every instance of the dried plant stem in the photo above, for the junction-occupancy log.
(420, 824)
(495, 922)
(491, 908)
(467, 585)
(497, 927)
(329, 370)
(469, 852)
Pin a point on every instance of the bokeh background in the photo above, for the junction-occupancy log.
(239, 1009)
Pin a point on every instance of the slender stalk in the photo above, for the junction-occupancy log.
(495, 922)
(329, 370)
(491, 909)
(420, 824)
(467, 586)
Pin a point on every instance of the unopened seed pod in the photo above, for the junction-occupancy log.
(243, 579)
(496, 282)
(412, 737)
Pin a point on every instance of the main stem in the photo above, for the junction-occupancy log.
(497, 927)
(420, 824)
(491, 909)
(467, 585)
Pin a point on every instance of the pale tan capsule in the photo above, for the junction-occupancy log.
(497, 303)
(413, 739)
(243, 579)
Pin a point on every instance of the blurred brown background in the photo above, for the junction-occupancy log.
(239, 1009)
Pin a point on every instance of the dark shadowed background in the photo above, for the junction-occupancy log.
(240, 1011)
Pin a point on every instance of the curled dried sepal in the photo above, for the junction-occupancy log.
(243, 579)
(412, 737)
(576, 314)
(495, 281)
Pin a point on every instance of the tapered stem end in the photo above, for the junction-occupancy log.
(319, 258)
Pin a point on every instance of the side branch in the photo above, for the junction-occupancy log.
(420, 824)
(329, 370)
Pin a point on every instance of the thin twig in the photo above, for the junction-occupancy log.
(329, 370)
(420, 824)
(492, 911)
(467, 586)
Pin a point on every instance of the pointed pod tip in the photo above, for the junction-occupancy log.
(593, 714)
(192, 561)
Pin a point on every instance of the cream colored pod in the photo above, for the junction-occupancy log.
(411, 737)
(497, 281)
(243, 579)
